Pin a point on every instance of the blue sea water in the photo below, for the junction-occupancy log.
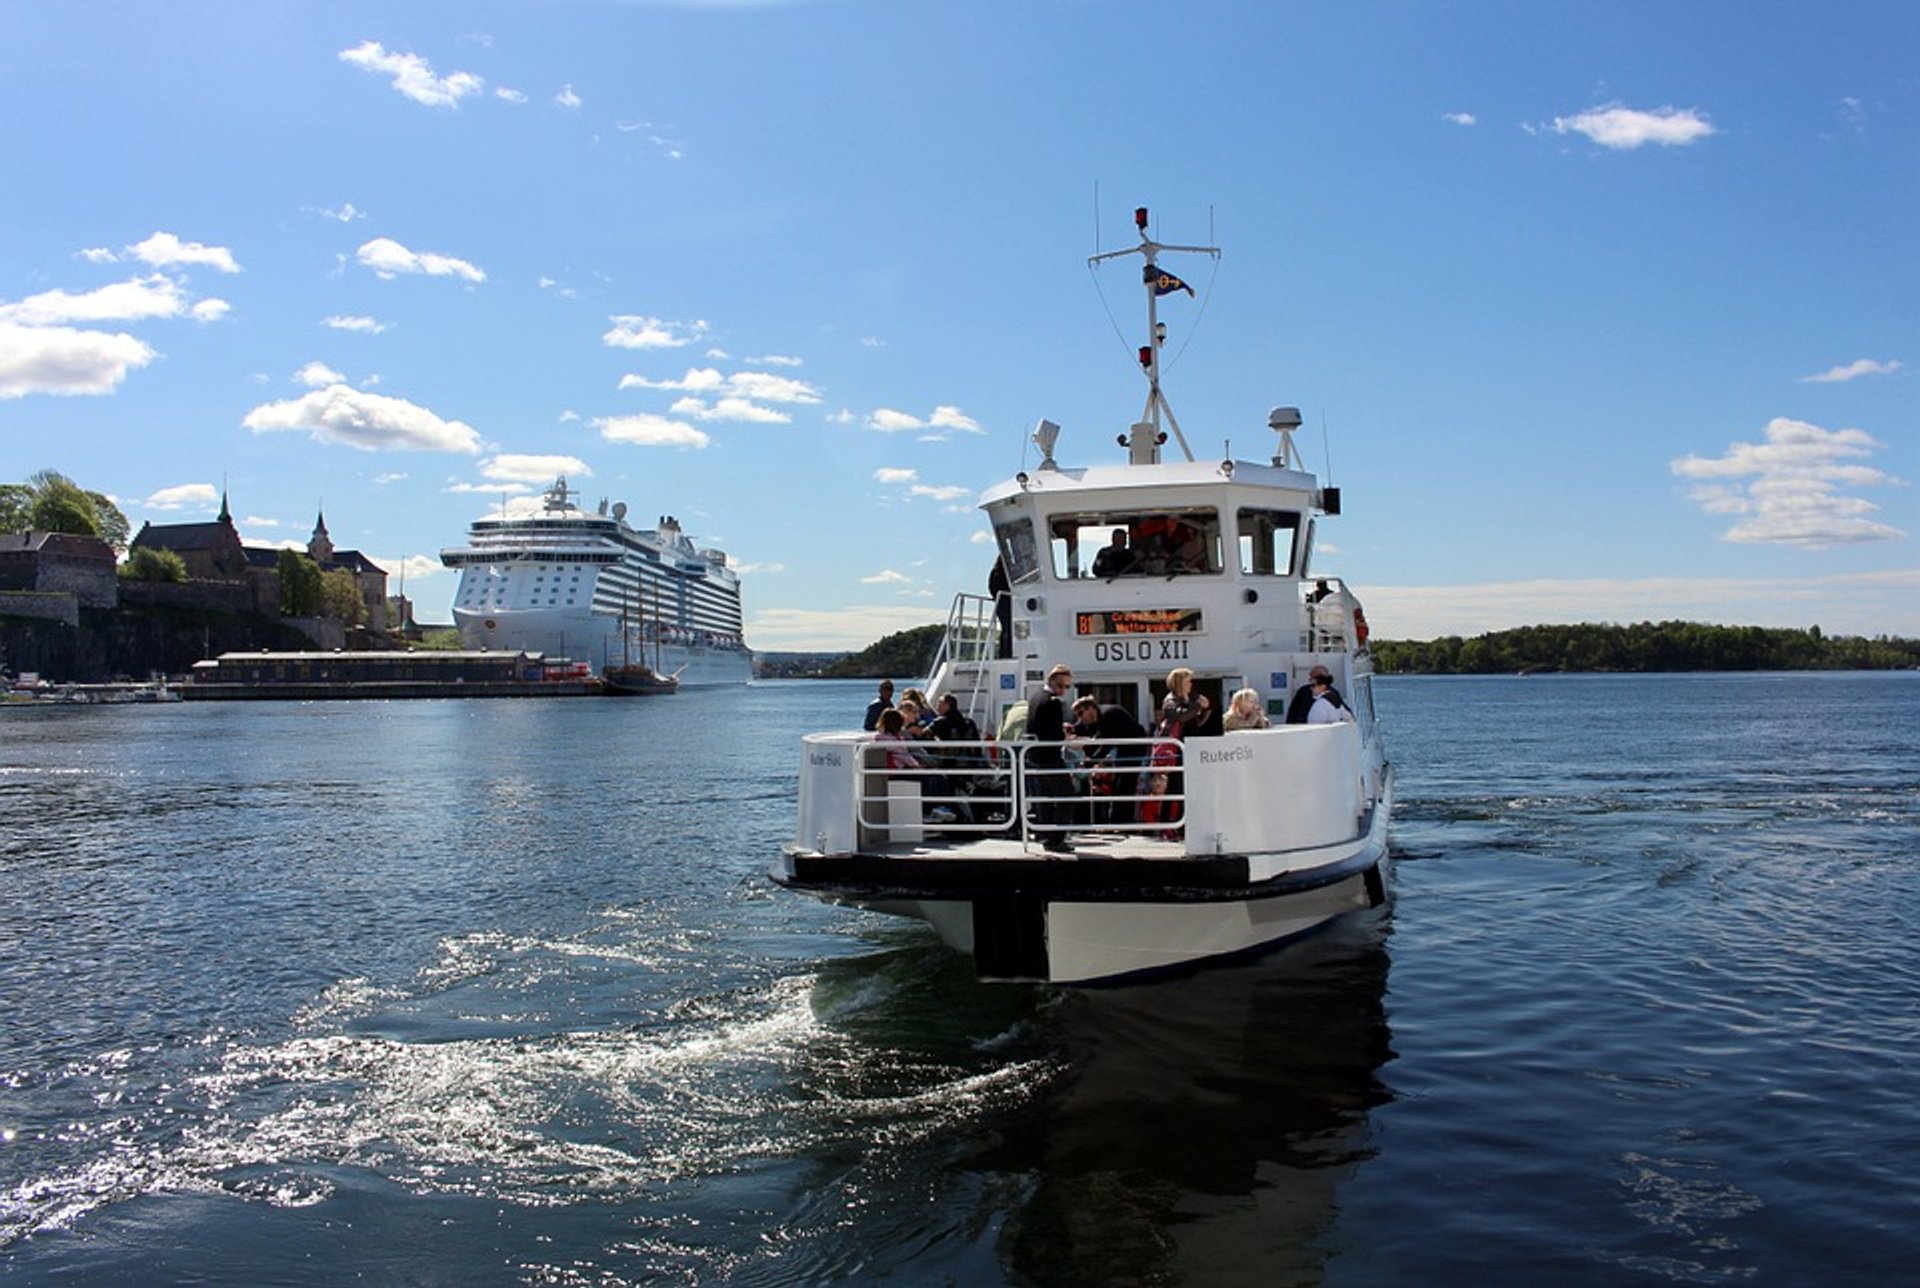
(497, 992)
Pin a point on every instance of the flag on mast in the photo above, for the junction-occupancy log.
(1163, 282)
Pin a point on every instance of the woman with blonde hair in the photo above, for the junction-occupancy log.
(1245, 712)
(1182, 711)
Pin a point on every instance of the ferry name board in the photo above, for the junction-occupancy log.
(1139, 621)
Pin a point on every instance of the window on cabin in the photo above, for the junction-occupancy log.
(1017, 550)
(1156, 543)
(1267, 540)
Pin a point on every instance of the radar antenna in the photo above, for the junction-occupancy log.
(1144, 444)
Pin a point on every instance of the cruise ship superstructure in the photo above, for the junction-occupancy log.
(568, 582)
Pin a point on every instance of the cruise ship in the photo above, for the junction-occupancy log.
(584, 585)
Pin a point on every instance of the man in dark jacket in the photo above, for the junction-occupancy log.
(881, 703)
(1047, 778)
(1100, 722)
(1304, 696)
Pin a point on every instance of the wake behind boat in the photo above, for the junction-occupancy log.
(561, 582)
(1112, 856)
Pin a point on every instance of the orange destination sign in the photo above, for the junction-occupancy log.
(1139, 621)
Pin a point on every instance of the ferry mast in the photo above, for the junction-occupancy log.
(1144, 440)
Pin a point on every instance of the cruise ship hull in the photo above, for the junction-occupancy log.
(586, 636)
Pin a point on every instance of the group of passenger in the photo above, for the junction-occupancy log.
(1114, 746)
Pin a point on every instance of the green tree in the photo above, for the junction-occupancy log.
(340, 592)
(51, 502)
(151, 564)
(302, 593)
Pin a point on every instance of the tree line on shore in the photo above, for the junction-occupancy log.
(1645, 646)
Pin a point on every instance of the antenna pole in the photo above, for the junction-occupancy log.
(1157, 407)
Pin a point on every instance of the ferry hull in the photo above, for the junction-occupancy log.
(1090, 918)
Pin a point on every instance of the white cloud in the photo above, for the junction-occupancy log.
(209, 310)
(743, 410)
(355, 322)
(751, 569)
(895, 474)
(1852, 603)
(887, 577)
(490, 489)
(533, 469)
(980, 537)
(153, 296)
(831, 629)
(1623, 129)
(756, 385)
(340, 414)
(567, 98)
(954, 418)
(778, 360)
(98, 255)
(1462, 118)
(412, 567)
(388, 258)
(61, 360)
(316, 374)
(649, 431)
(1852, 371)
(413, 75)
(164, 250)
(390, 477)
(889, 421)
(183, 496)
(347, 213)
(940, 493)
(1786, 490)
(509, 95)
(632, 331)
(255, 521)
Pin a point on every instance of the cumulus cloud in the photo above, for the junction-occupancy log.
(164, 250)
(743, 410)
(1787, 490)
(153, 296)
(649, 431)
(1852, 371)
(946, 492)
(370, 422)
(346, 214)
(887, 577)
(184, 496)
(889, 420)
(748, 569)
(759, 386)
(567, 98)
(355, 322)
(316, 374)
(1462, 118)
(632, 331)
(1623, 129)
(509, 95)
(62, 360)
(209, 310)
(413, 75)
(895, 474)
(388, 258)
(514, 468)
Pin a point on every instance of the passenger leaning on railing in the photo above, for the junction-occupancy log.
(902, 762)
(1115, 766)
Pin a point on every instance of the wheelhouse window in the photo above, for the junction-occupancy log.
(1268, 539)
(1017, 550)
(1104, 545)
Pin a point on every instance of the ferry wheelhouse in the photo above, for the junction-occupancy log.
(588, 586)
(1175, 850)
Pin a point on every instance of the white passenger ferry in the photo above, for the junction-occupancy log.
(1147, 853)
(568, 583)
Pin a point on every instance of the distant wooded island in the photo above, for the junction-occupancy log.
(1646, 646)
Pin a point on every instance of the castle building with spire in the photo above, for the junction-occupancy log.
(213, 552)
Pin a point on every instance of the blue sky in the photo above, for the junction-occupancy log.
(1597, 311)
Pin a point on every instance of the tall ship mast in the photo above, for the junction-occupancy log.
(562, 580)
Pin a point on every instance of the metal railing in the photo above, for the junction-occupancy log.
(969, 790)
(969, 646)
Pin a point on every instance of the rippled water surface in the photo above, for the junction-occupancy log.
(498, 992)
